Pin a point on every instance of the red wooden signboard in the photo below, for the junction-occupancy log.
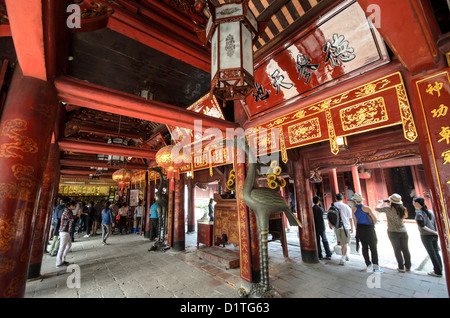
(342, 43)
(434, 96)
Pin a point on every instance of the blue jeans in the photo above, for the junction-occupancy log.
(320, 235)
(431, 245)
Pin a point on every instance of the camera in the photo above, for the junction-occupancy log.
(386, 201)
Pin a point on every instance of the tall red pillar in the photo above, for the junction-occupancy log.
(170, 215)
(333, 183)
(25, 133)
(355, 177)
(150, 196)
(307, 233)
(49, 192)
(178, 216)
(191, 205)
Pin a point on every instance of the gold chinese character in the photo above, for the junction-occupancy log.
(436, 88)
(446, 155)
(445, 133)
(441, 111)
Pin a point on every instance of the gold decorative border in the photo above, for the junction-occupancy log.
(331, 134)
(304, 131)
(409, 127)
(365, 114)
(243, 222)
(393, 81)
(438, 177)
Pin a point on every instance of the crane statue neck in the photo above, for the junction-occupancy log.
(251, 173)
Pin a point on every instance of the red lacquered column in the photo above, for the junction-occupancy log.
(25, 133)
(307, 233)
(49, 191)
(178, 216)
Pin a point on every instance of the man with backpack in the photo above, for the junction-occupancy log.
(340, 218)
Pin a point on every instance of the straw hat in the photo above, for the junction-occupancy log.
(395, 198)
(357, 197)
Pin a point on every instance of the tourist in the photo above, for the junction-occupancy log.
(211, 210)
(107, 221)
(343, 234)
(97, 216)
(115, 213)
(395, 214)
(154, 215)
(56, 223)
(319, 225)
(365, 231)
(428, 234)
(138, 215)
(89, 218)
(67, 219)
(123, 212)
(76, 216)
(82, 224)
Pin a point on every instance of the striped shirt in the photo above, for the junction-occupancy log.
(66, 221)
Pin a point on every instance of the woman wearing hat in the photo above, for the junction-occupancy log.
(428, 234)
(365, 231)
(395, 214)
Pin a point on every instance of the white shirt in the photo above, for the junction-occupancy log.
(138, 211)
(123, 211)
(346, 213)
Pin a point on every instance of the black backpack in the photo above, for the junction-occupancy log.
(334, 216)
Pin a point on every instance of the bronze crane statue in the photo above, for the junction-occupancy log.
(163, 202)
(263, 202)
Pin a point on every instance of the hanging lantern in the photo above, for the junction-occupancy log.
(170, 161)
(122, 176)
(231, 30)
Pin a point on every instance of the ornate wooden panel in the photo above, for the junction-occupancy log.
(226, 220)
(377, 104)
(340, 44)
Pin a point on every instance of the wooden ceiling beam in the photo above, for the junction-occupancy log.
(273, 8)
(103, 130)
(26, 20)
(80, 93)
(180, 45)
(40, 36)
(65, 171)
(91, 147)
(169, 12)
(69, 162)
(416, 21)
(292, 29)
(83, 176)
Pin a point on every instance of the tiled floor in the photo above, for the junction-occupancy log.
(126, 269)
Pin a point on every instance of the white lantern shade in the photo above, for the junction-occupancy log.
(229, 11)
(230, 45)
(214, 52)
(247, 50)
(231, 30)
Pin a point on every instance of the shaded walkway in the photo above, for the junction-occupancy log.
(125, 269)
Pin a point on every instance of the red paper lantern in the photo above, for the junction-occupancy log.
(171, 161)
(122, 176)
